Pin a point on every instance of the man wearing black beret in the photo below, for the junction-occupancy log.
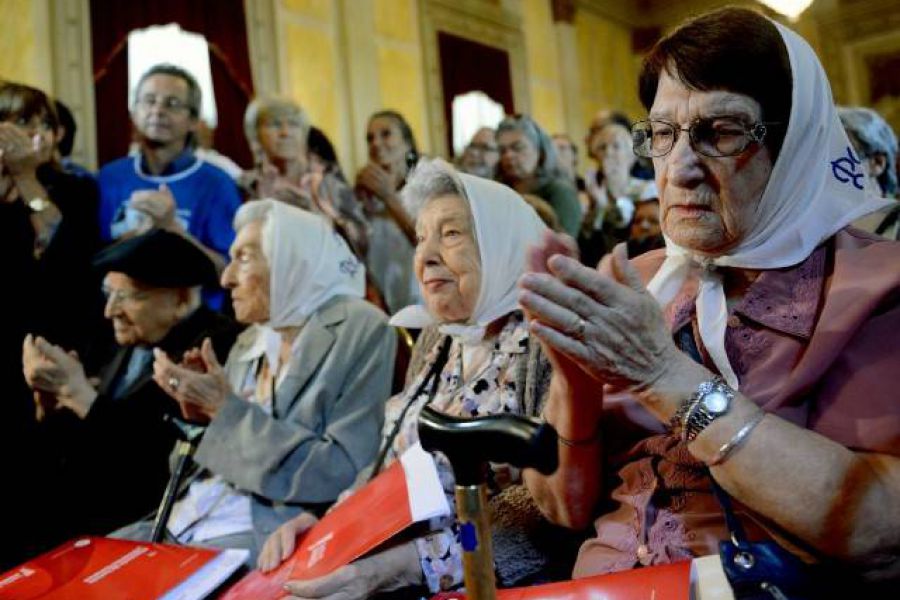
(110, 435)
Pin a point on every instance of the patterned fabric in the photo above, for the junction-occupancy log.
(806, 343)
(489, 388)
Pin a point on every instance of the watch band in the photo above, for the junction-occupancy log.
(693, 416)
(699, 416)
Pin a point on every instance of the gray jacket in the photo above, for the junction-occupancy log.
(326, 419)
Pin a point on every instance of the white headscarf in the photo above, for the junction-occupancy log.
(309, 263)
(811, 195)
(505, 225)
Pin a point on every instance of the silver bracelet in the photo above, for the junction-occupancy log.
(731, 445)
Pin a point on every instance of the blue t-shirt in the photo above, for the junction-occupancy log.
(206, 198)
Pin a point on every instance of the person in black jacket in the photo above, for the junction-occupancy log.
(48, 237)
(111, 434)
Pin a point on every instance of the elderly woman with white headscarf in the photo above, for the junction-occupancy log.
(876, 148)
(297, 409)
(472, 236)
(762, 355)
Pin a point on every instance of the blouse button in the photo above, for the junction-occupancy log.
(734, 321)
(643, 555)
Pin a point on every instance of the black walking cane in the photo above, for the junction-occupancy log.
(189, 434)
(470, 444)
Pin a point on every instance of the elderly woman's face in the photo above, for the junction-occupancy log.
(247, 275)
(707, 204)
(387, 147)
(447, 262)
(282, 136)
(518, 156)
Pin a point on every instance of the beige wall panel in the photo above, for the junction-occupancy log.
(311, 70)
(395, 19)
(317, 9)
(401, 89)
(25, 52)
(608, 67)
(545, 79)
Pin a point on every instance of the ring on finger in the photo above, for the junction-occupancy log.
(580, 328)
(174, 383)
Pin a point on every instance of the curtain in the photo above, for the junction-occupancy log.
(468, 66)
(223, 24)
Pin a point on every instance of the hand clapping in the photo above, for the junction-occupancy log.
(603, 320)
(199, 385)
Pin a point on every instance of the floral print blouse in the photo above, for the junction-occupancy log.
(488, 389)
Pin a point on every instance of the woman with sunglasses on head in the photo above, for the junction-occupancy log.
(748, 370)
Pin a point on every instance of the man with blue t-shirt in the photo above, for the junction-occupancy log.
(165, 185)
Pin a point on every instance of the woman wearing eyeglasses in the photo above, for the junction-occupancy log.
(757, 353)
(528, 164)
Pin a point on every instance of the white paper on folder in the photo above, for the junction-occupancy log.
(426, 494)
(210, 576)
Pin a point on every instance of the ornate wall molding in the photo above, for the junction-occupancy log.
(262, 40)
(492, 25)
(73, 76)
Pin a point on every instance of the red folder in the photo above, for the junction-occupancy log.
(94, 568)
(406, 492)
(663, 582)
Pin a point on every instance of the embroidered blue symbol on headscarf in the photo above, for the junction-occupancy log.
(349, 266)
(844, 169)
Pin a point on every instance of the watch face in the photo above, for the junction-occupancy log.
(716, 402)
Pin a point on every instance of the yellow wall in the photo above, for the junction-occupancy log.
(609, 69)
(545, 82)
(322, 72)
(401, 78)
(309, 60)
(25, 53)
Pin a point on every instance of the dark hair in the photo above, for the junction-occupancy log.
(22, 101)
(67, 122)
(405, 130)
(193, 97)
(733, 49)
(318, 143)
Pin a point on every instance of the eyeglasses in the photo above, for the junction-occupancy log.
(115, 296)
(168, 103)
(484, 148)
(712, 136)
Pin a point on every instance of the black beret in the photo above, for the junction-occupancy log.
(158, 258)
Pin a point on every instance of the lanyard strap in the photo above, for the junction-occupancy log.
(434, 378)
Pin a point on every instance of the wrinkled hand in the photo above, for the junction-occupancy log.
(281, 544)
(51, 371)
(552, 244)
(385, 571)
(20, 154)
(607, 324)
(159, 205)
(199, 394)
(375, 180)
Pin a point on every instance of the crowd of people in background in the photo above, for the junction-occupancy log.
(174, 284)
